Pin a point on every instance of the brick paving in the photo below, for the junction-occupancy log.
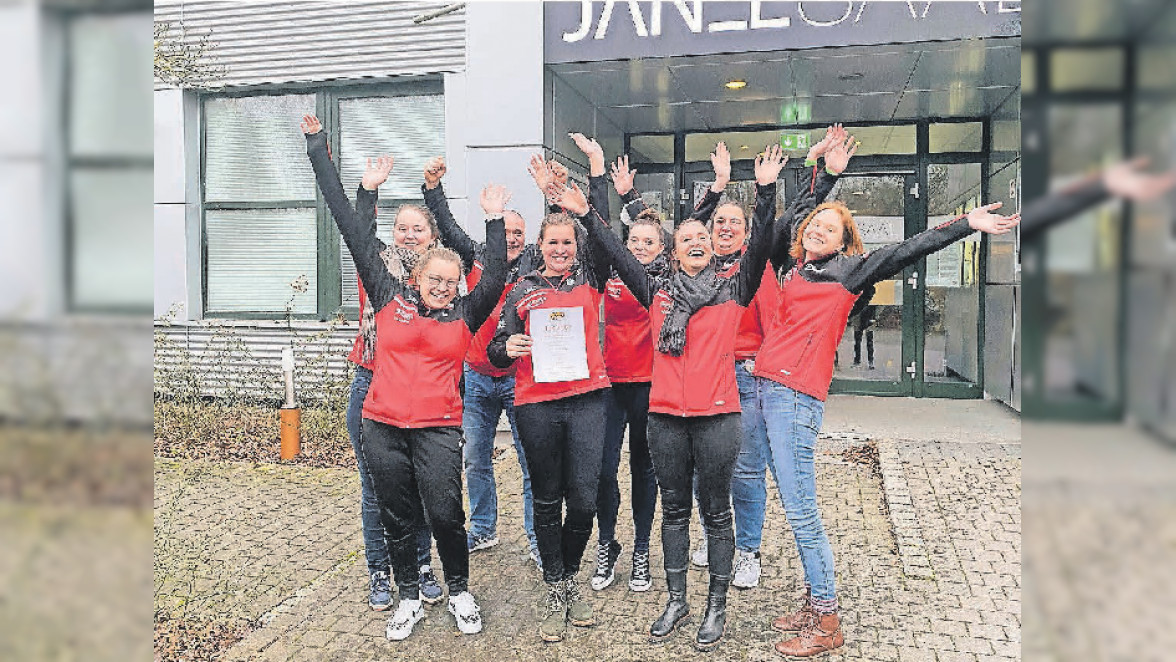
(286, 544)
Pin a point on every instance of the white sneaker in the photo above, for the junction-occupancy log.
(408, 613)
(699, 557)
(465, 611)
(747, 570)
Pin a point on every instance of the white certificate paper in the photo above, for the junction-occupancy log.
(559, 352)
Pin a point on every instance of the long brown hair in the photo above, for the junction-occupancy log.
(851, 239)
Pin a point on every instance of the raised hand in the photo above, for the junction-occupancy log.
(622, 175)
(769, 164)
(570, 197)
(1126, 180)
(311, 125)
(494, 199)
(434, 171)
(376, 172)
(832, 133)
(838, 155)
(982, 219)
(587, 145)
(721, 162)
(540, 172)
(559, 172)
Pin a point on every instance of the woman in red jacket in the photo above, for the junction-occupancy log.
(694, 401)
(413, 232)
(411, 440)
(559, 403)
(824, 272)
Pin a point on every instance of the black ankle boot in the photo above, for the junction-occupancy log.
(676, 608)
(715, 618)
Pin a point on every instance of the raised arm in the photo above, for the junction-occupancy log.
(597, 183)
(1124, 180)
(837, 148)
(359, 236)
(489, 288)
(608, 247)
(721, 162)
(451, 233)
(884, 262)
(759, 245)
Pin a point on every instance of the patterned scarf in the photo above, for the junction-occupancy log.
(400, 263)
(689, 294)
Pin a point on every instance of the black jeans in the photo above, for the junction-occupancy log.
(563, 441)
(417, 474)
(680, 446)
(629, 405)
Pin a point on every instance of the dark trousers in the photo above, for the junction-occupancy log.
(681, 446)
(629, 405)
(563, 441)
(417, 474)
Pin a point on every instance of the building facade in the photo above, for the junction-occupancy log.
(245, 249)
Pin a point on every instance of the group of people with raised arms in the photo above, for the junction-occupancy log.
(717, 362)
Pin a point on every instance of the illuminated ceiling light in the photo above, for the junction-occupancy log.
(736, 84)
(743, 147)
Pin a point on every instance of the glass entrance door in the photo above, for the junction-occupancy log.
(878, 345)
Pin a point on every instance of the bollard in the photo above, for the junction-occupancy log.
(291, 418)
(290, 415)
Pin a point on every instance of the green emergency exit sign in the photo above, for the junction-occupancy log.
(794, 140)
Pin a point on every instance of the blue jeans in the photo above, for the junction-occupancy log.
(749, 490)
(628, 404)
(485, 399)
(793, 420)
(375, 542)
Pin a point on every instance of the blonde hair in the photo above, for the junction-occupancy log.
(851, 239)
(558, 218)
(437, 253)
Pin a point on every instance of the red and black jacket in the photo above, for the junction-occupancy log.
(582, 288)
(700, 382)
(419, 350)
(816, 300)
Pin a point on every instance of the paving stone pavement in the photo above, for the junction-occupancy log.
(291, 538)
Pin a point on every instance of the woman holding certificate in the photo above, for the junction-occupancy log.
(411, 438)
(694, 422)
(548, 330)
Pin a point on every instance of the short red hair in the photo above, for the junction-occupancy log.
(851, 239)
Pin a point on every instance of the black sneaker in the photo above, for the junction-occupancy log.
(639, 581)
(606, 562)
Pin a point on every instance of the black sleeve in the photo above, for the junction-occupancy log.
(451, 233)
(820, 186)
(1044, 212)
(365, 247)
(509, 323)
(706, 207)
(633, 203)
(598, 194)
(884, 262)
(608, 248)
(489, 288)
(365, 208)
(755, 258)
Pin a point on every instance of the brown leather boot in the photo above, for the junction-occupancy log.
(824, 635)
(797, 621)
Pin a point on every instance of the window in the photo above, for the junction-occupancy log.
(264, 227)
(109, 156)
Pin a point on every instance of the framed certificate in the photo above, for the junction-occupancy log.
(559, 352)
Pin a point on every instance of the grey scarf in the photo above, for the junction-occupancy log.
(689, 295)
